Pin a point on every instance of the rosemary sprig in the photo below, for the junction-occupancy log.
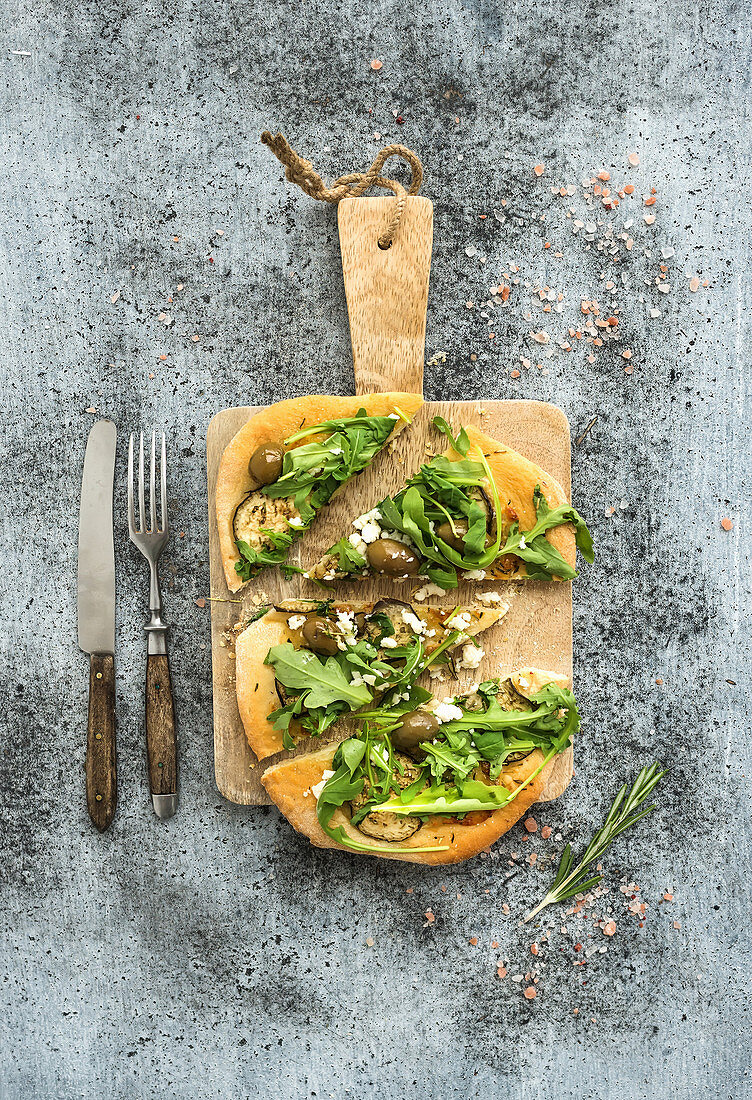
(623, 813)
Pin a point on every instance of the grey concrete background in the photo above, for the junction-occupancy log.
(218, 955)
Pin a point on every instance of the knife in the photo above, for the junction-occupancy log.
(96, 618)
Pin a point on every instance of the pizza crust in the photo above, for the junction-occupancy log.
(289, 786)
(274, 424)
(255, 683)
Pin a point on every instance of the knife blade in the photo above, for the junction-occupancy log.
(96, 618)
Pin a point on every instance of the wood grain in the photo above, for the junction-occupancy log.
(101, 764)
(537, 630)
(161, 733)
(386, 291)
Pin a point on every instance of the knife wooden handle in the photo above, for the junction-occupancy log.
(161, 732)
(101, 766)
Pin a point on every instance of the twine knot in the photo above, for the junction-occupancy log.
(300, 171)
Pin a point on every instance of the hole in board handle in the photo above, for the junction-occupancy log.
(384, 247)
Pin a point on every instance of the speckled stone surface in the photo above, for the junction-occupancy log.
(218, 955)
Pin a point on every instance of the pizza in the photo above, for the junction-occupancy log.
(478, 511)
(304, 664)
(287, 462)
(431, 781)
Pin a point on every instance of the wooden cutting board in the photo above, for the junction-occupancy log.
(386, 295)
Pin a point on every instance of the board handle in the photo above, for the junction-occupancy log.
(386, 291)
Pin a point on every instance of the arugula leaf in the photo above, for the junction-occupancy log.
(321, 682)
(472, 795)
(349, 560)
(457, 755)
(461, 444)
(543, 560)
(252, 561)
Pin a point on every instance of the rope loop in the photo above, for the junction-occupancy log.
(300, 171)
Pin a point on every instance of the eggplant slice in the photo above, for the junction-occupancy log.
(510, 699)
(256, 512)
(386, 825)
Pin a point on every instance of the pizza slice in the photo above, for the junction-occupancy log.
(480, 511)
(287, 462)
(301, 666)
(432, 782)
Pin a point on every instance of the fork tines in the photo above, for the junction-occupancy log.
(141, 528)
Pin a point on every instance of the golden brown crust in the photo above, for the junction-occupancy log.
(255, 683)
(275, 424)
(516, 478)
(289, 786)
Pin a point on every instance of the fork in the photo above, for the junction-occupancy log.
(161, 737)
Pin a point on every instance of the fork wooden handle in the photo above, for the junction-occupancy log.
(161, 735)
(101, 767)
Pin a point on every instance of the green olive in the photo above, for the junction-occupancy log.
(393, 558)
(265, 464)
(453, 538)
(416, 726)
(318, 636)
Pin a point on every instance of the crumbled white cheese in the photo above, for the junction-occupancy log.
(437, 674)
(369, 532)
(335, 450)
(427, 590)
(389, 643)
(474, 574)
(459, 621)
(523, 544)
(412, 620)
(368, 517)
(295, 521)
(447, 712)
(393, 416)
(318, 787)
(347, 625)
(370, 678)
(472, 655)
(356, 540)
(296, 621)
